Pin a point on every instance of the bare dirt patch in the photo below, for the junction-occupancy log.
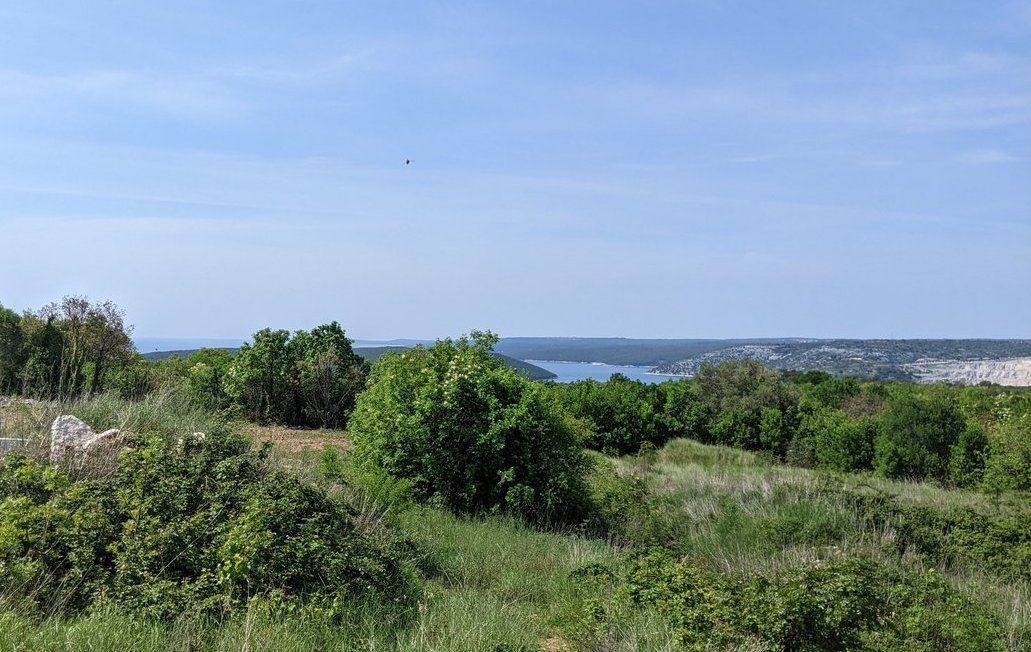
(296, 440)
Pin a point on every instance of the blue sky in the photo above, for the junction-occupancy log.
(680, 169)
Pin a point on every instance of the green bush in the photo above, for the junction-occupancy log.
(1008, 466)
(309, 379)
(996, 542)
(195, 525)
(681, 412)
(917, 435)
(838, 442)
(849, 604)
(470, 433)
(967, 457)
(619, 503)
(740, 396)
(621, 413)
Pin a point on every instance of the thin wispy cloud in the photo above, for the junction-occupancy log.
(987, 156)
(662, 158)
(190, 97)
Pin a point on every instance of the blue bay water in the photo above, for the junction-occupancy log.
(569, 372)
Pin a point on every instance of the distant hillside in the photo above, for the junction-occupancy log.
(183, 353)
(531, 371)
(616, 350)
(371, 353)
(920, 360)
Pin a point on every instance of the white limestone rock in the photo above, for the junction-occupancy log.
(73, 442)
(103, 448)
(69, 437)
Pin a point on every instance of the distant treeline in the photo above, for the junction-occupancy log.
(371, 354)
(978, 437)
(975, 437)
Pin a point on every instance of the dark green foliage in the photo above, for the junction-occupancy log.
(736, 394)
(851, 604)
(621, 413)
(831, 391)
(197, 525)
(259, 379)
(743, 385)
(681, 412)
(996, 542)
(836, 441)
(205, 378)
(967, 457)
(737, 428)
(135, 379)
(470, 433)
(620, 507)
(13, 350)
(310, 379)
(917, 435)
(1009, 460)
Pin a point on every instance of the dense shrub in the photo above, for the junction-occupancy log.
(13, 351)
(470, 433)
(917, 435)
(681, 412)
(195, 525)
(996, 542)
(736, 394)
(967, 456)
(311, 378)
(1008, 466)
(620, 507)
(621, 413)
(851, 604)
(834, 440)
(205, 377)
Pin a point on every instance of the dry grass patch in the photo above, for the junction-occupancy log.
(294, 441)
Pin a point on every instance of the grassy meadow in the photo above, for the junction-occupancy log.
(495, 583)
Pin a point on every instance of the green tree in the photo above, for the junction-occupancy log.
(917, 435)
(681, 412)
(205, 377)
(1008, 466)
(259, 378)
(967, 458)
(838, 442)
(13, 351)
(74, 345)
(327, 375)
(469, 432)
(736, 392)
(620, 412)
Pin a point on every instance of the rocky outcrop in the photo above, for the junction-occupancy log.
(74, 443)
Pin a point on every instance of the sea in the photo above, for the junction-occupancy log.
(569, 372)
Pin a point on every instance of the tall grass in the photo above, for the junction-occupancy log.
(741, 514)
(493, 583)
(167, 413)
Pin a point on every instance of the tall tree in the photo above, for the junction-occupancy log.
(12, 349)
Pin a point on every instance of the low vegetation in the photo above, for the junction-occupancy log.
(467, 507)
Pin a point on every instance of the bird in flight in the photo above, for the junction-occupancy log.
(408, 161)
